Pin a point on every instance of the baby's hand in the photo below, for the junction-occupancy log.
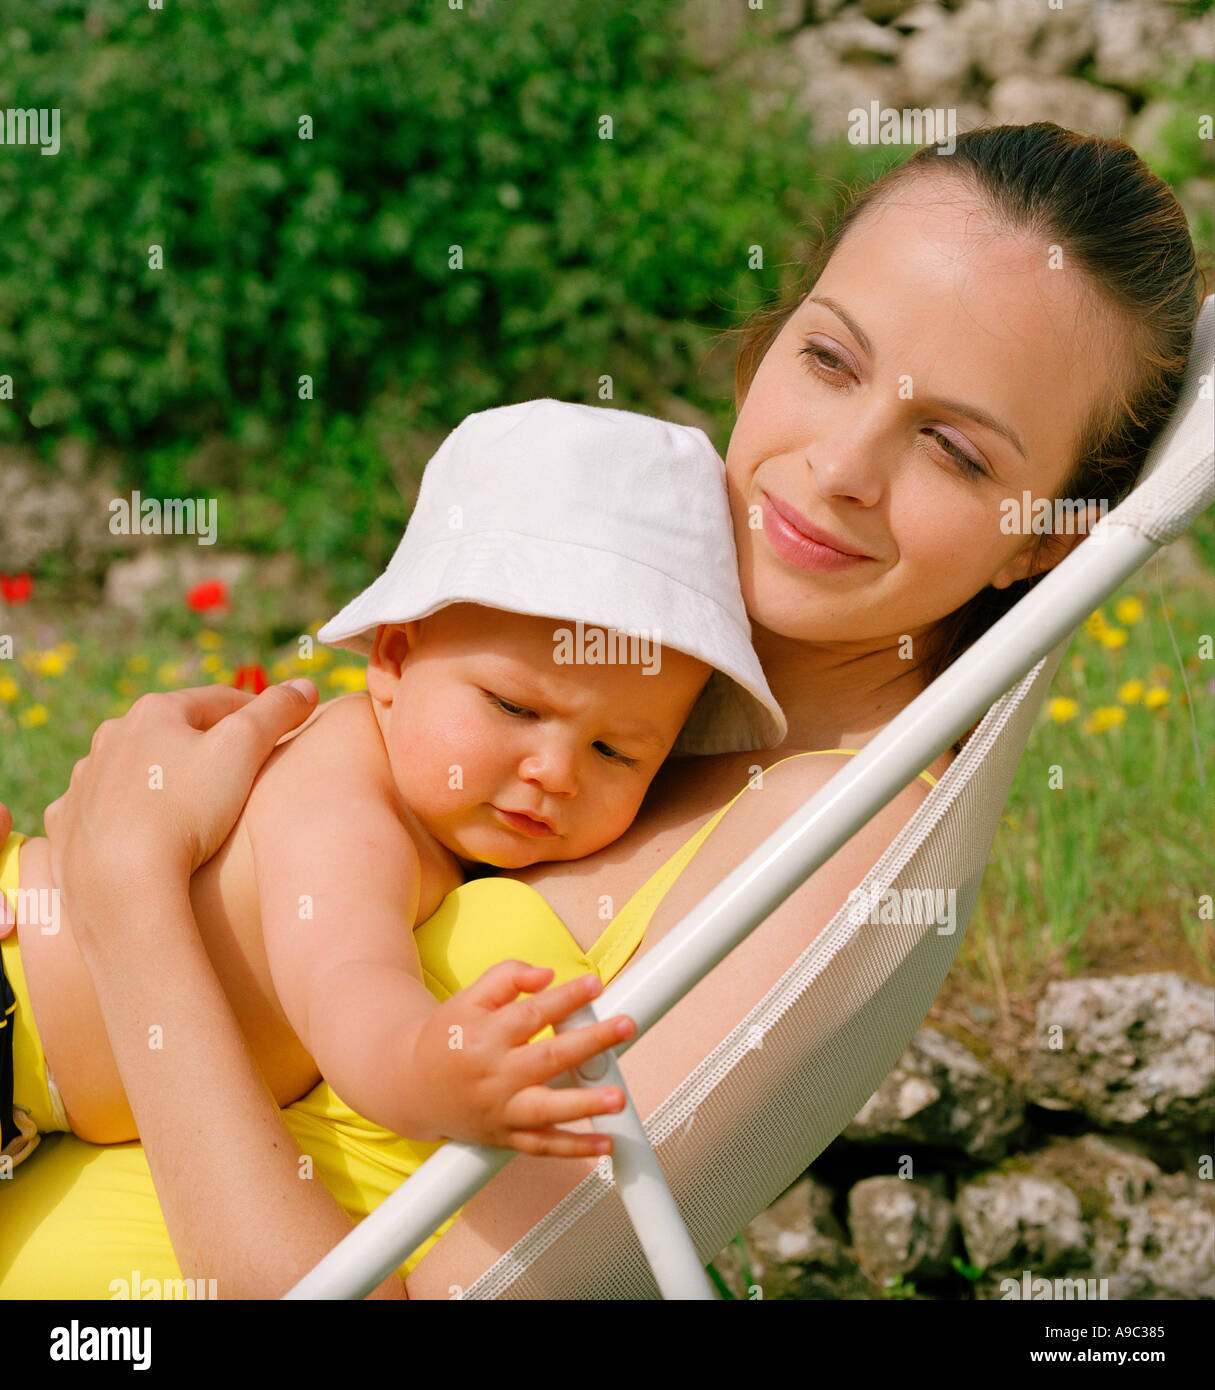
(485, 1081)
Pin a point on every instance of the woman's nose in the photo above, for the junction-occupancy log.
(849, 460)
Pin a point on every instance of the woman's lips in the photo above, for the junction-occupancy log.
(795, 540)
(526, 824)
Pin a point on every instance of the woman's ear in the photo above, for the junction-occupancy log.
(392, 644)
(1044, 552)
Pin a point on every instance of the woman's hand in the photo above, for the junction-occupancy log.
(162, 787)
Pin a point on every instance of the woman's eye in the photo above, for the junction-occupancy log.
(964, 461)
(822, 357)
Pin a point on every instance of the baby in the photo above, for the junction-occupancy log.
(489, 734)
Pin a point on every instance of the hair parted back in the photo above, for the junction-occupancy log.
(1116, 224)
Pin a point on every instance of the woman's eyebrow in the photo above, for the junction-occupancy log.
(971, 412)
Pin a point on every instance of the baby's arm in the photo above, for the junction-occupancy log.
(339, 886)
(338, 881)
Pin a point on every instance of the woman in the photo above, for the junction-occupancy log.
(1014, 318)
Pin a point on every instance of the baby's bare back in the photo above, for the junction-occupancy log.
(224, 897)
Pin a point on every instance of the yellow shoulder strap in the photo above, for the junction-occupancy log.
(609, 954)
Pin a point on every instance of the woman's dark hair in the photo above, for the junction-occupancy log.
(1118, 225)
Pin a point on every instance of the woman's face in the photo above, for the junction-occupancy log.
(865, 431)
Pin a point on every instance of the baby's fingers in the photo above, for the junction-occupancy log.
(558, 1143)
(525, 1018)
(540, 1106)
(542, 1061)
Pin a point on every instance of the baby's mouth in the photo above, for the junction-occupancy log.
(529, 825)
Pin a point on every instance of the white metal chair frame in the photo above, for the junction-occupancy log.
(1177, 484)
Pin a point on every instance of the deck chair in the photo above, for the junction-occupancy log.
(752, 1116)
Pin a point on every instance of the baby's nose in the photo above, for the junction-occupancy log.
(553, 767)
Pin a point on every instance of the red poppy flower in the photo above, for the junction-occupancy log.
(252, 677)
(15, 588)
(211, 593)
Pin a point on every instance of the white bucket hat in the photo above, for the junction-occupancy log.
(584, 513)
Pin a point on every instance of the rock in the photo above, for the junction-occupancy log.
(1001, 34)
(1146, 130)
(164, 575)
(1016, 1220)
(829, 89)
(58, 511)
(711, 30)
(936, 61)
(1015, 37)
(1134, 1053)
(900, 1228)
(1148, 1234)
(920, 17)
(778, 16)
(885, 10)
(940, 1094)
(1064, 42)
(796, 1250)
(854, 39)
(1129, 43)
(1068, 101)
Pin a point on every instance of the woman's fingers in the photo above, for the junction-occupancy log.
(257, 720)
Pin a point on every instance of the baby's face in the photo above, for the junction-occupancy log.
(511, 756)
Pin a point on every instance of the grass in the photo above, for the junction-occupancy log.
(1105, 827)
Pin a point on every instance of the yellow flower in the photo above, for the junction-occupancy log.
(209, 641)
(1131, 693)
(1155, 698)
(1128, 610)
(1113, 637)
(349, 677)
(212, 662)
(53, 663)
(321, 656)
(125, 685)
(1103, 718)
(1094, 624)
(49, 663)
(281, 670)
(137, 664)
(225, 677)
(8, 689)
(167, 674)
(1061, 709)
(33, 716)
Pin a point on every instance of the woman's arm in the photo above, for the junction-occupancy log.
(527, 1189)
(226, 1169)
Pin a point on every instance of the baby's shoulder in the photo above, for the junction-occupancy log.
(335, 754)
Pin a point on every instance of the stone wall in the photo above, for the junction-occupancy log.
(958, 1181)
(1089, 65)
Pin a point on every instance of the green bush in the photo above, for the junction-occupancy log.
(329, 257)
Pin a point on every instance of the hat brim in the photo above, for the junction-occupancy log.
(736, 710)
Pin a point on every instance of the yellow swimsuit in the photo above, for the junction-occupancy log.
(78, 1221)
